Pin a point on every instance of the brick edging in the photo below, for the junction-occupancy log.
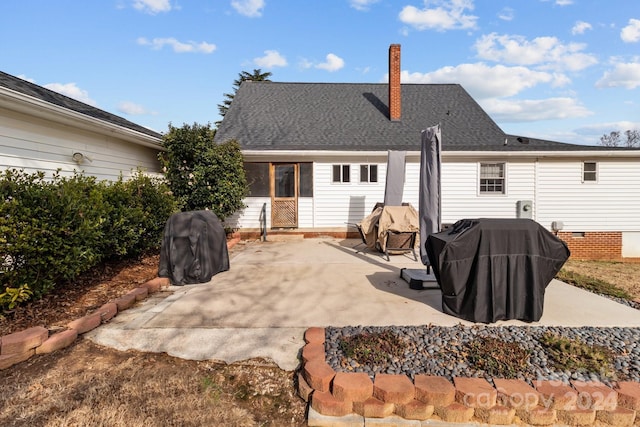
(354, 397)
(20, 346)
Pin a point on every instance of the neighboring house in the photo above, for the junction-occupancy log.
(42, 130)
(316, 153)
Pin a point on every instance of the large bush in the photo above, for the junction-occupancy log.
(201, 174)
(52, 230)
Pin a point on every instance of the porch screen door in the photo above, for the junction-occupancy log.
(284, 195)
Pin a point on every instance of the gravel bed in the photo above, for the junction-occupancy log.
(438, 350)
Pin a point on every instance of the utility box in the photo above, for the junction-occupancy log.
(524, 209)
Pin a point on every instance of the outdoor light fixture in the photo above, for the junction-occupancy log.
(79, 157)
(557, 225)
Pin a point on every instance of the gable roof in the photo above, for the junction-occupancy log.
(34, 91)
(355, 117)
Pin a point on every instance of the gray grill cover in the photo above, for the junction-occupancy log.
(495, 269)
(194, 248)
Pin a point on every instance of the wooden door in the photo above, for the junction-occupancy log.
(284, 195)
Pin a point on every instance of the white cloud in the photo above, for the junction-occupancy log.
(625, 75)
(131, 108)
(250, 8)
(177, 46)
(530, 110)
(547, 52)
(72, 91)
(580, 27)
(362, 5)
(483, 81)
(564, 2)
(631, 33)
(333, 63)
(152, 6)
(506, 14)
(272, 58)
(23, 77)
(304, 64)
(604, 128)
(448, 15)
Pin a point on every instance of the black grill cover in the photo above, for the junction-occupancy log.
(194, 248)
(495, 269)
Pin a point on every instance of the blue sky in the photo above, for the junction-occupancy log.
(565, 70)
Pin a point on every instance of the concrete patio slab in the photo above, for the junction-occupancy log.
(274, 291)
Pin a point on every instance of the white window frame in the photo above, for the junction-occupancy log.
(485, 193)
(596, 172)
(341, 180)
(366, 179)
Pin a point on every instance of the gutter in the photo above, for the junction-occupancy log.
(25, 104)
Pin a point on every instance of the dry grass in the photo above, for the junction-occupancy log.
(624, 276)
(87, 385)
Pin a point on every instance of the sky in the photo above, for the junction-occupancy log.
(563, 70)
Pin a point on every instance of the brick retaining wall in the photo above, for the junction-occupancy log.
(342, 398)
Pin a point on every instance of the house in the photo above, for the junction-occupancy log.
(42, 130)
(316, 158)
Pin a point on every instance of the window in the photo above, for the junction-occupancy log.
(258, 179)
(492, 178)
(306, 180)
(341, 173)
(368, 173)
(589, 171)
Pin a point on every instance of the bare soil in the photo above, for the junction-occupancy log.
(86, 384)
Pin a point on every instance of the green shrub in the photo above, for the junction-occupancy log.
(201, 174)
(11, 297)
(52, 230)
(137, 212)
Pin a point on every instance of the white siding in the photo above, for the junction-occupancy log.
(339, 203)
(554, 186)
(249, 217)
(460, 193)
(34, 144)
(612, 203)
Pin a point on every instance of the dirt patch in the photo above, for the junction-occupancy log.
(625, 276)
(87, 384)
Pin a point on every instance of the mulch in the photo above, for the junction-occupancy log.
(82, 296)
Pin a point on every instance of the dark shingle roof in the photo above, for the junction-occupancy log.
(44, 94)
(354, 117)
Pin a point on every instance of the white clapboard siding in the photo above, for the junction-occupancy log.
(34, 144)
(610, 204)
(249, 217)
(339, 203)
(554, 187)
(460, 193)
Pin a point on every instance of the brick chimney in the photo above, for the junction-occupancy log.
(395, 108)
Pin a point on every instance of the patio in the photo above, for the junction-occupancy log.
(274, 291)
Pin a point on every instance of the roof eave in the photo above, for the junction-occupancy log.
(448, 154)
(26, 104)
